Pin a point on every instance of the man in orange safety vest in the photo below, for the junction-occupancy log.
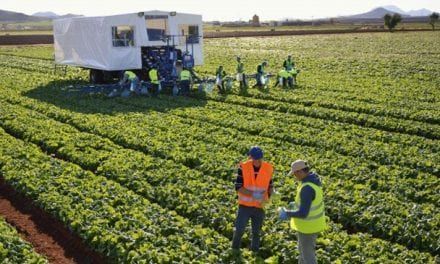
(254, 186)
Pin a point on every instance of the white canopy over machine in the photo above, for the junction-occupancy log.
(114, 43)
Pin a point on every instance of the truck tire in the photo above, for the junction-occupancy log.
(96, 76)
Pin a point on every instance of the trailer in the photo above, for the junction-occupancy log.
(110, 45)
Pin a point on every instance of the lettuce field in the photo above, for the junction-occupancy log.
(150, 180)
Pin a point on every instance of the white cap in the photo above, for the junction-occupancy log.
(298, 165)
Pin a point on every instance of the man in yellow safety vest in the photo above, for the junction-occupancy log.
(185, 79)
(306, 214)
(154, 81)
(130, 78)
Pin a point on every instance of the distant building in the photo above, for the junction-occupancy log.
(255, 21)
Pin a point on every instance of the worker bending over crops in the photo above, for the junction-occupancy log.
(307, 215)
(284, 78)
(129, 78)
(293, 73)
(254, 186)
(129, 82)
(261, 75)
(185, 81)
(220, 76)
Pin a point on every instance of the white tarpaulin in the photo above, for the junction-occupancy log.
(89, 42)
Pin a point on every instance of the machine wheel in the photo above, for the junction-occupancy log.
(96, 76)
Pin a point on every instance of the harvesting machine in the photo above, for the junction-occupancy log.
(109, 45)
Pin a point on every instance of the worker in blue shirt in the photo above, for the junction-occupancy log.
(307, 214)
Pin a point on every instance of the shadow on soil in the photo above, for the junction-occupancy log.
(69, 95)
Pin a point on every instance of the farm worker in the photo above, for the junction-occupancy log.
(220, 79)
(289, 64)
(306, 214)
(185, 81)
(241, 77)
(130, 78)
(261, 74)
(284, 78)
(254, 186)
(293, 73)
(154, 81)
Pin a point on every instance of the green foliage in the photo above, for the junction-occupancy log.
(433, 18)
(14, 250)
(391, 21)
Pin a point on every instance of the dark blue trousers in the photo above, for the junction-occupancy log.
(243, 215)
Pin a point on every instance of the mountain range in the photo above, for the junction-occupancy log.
(376, 13)
(380, 12)
(9, 16)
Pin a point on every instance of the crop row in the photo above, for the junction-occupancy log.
(13, 249)
(429, 131)
(340, 98)
(284, 97)
(112, 220)
(35, 65)
(151, 140)
(406, 184)
(342, 139)
(320, 100)
(173, 188)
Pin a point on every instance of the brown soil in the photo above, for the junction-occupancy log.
(48, 236)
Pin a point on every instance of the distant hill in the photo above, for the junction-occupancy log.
(69, 16)
(394, 9)
(14, 17)
(9, 16)
(379, 12)
(420, 12)
(45, 14)
(52, 15)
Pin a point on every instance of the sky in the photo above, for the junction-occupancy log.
(223, 10)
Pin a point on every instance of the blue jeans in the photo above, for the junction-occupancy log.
(185, 86)
(306, 247)
(134, 84)
(243, 215)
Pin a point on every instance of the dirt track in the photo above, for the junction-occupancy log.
(48, 39)
(47, 235)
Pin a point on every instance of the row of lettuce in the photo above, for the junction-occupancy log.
(114, 221)
(13, 249)
(139, 171)
(388, 133)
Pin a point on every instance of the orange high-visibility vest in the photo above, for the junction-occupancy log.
(260, 183)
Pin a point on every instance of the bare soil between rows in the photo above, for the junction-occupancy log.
(48, 236)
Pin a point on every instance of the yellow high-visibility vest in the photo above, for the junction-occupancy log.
(153, 76)
(185, 75)
(131, 75)
(315, 220)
